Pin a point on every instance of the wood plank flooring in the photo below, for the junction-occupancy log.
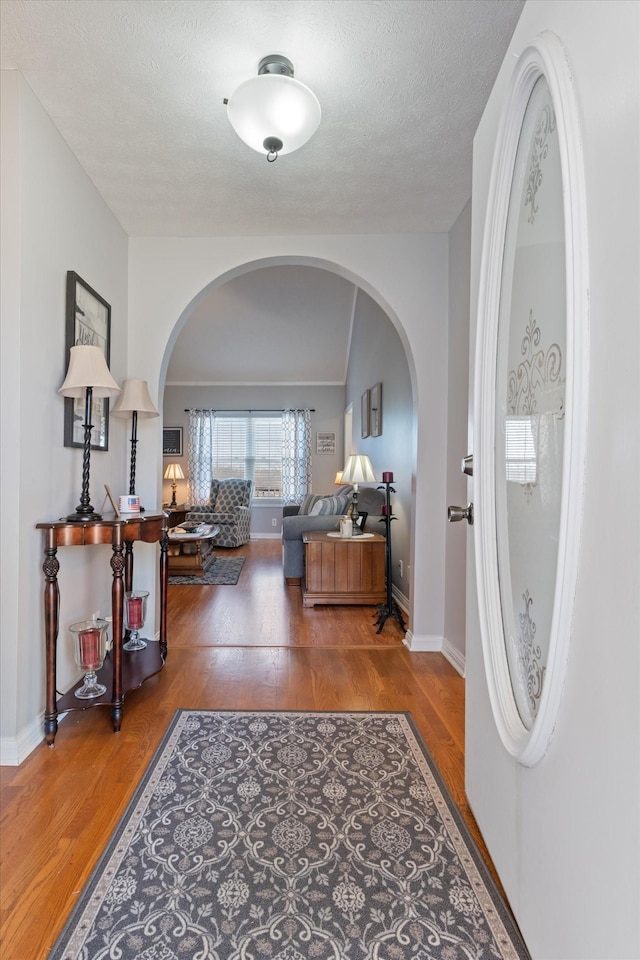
(250, 646)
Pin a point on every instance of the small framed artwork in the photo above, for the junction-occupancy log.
(88, 323)
(364, 414)
(362, 519)
(325, 443)
(375, 415)
(172, 442)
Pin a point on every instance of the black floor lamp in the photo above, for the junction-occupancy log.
(135, 400)
(87, 377)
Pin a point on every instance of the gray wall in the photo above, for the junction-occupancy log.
(328, 402)
(378, 356)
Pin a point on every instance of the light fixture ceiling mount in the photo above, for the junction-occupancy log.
(274, 113)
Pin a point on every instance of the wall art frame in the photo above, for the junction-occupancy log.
(172, 441)
(365, 411)
(527, 738)
(325, 443)
(375, 410)
(88, 323)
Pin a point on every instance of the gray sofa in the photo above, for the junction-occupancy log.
(370, 501)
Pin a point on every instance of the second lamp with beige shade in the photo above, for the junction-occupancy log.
(173, 473)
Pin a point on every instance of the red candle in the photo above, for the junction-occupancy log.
(89, 641)
(387, 477)
(134, 613)
(385, 511)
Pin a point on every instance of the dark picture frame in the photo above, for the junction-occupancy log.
(172, 441)
(364, 414)
(88, 323)
(375, 410)
(362, 519)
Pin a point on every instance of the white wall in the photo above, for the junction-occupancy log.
(377, 356)
(564, 834)
(53, 220)
(457, 422)
(406, 275)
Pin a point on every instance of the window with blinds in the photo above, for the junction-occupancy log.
(250, 446)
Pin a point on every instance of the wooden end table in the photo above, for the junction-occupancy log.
(343, 570)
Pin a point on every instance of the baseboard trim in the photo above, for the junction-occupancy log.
(423, 644)
(454, 656)
(276, 535)
(13, 750)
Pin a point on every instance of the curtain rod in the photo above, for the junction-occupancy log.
(233, 410)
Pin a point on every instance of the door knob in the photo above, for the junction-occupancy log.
(467, 465)
(461, 513)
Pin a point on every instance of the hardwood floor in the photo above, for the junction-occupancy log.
(251, 646)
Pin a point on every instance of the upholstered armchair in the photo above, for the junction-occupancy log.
(229, 508)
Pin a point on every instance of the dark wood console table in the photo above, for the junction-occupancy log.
(122, 670)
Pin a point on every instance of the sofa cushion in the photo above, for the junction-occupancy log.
(329, 505)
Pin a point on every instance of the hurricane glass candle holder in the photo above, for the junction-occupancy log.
(135, 612)
(90, 645)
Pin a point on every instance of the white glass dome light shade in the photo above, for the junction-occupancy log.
(274, 106)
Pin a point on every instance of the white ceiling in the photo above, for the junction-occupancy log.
(136, 89)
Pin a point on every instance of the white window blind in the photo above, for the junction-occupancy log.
(249, 446)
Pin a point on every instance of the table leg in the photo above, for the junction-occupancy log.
(117, 597)
(50, 569)
(164, 582)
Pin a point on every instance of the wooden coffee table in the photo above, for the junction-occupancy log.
(191, 553)
(341, 570)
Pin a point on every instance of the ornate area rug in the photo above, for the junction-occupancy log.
(223, 570)
(286, 836)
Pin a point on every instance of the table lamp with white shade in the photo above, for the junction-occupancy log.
(357, 470)
(134, 400)
(87, 377)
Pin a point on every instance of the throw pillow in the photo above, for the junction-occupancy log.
(329, 505)
(307, 504)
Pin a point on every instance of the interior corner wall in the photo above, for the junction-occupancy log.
(377, 355)
(54, 221)
(564, 834)
(457, 414)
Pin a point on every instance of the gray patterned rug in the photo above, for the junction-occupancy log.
(290, 836)
(223, 570)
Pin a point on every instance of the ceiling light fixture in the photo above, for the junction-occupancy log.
(274, 113)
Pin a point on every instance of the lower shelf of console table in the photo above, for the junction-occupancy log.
(137, 666)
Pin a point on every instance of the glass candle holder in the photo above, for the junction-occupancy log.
(89, 646)
(135, 612)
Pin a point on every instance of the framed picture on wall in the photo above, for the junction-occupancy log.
(172, 442)
(375, 411)
(325, 443)
(364, 414)
(88, 323)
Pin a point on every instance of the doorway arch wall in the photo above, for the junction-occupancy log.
(406, 275)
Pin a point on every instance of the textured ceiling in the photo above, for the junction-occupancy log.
(136, 89)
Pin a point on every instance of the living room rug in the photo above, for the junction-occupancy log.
(223, 570)
(286, 836)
